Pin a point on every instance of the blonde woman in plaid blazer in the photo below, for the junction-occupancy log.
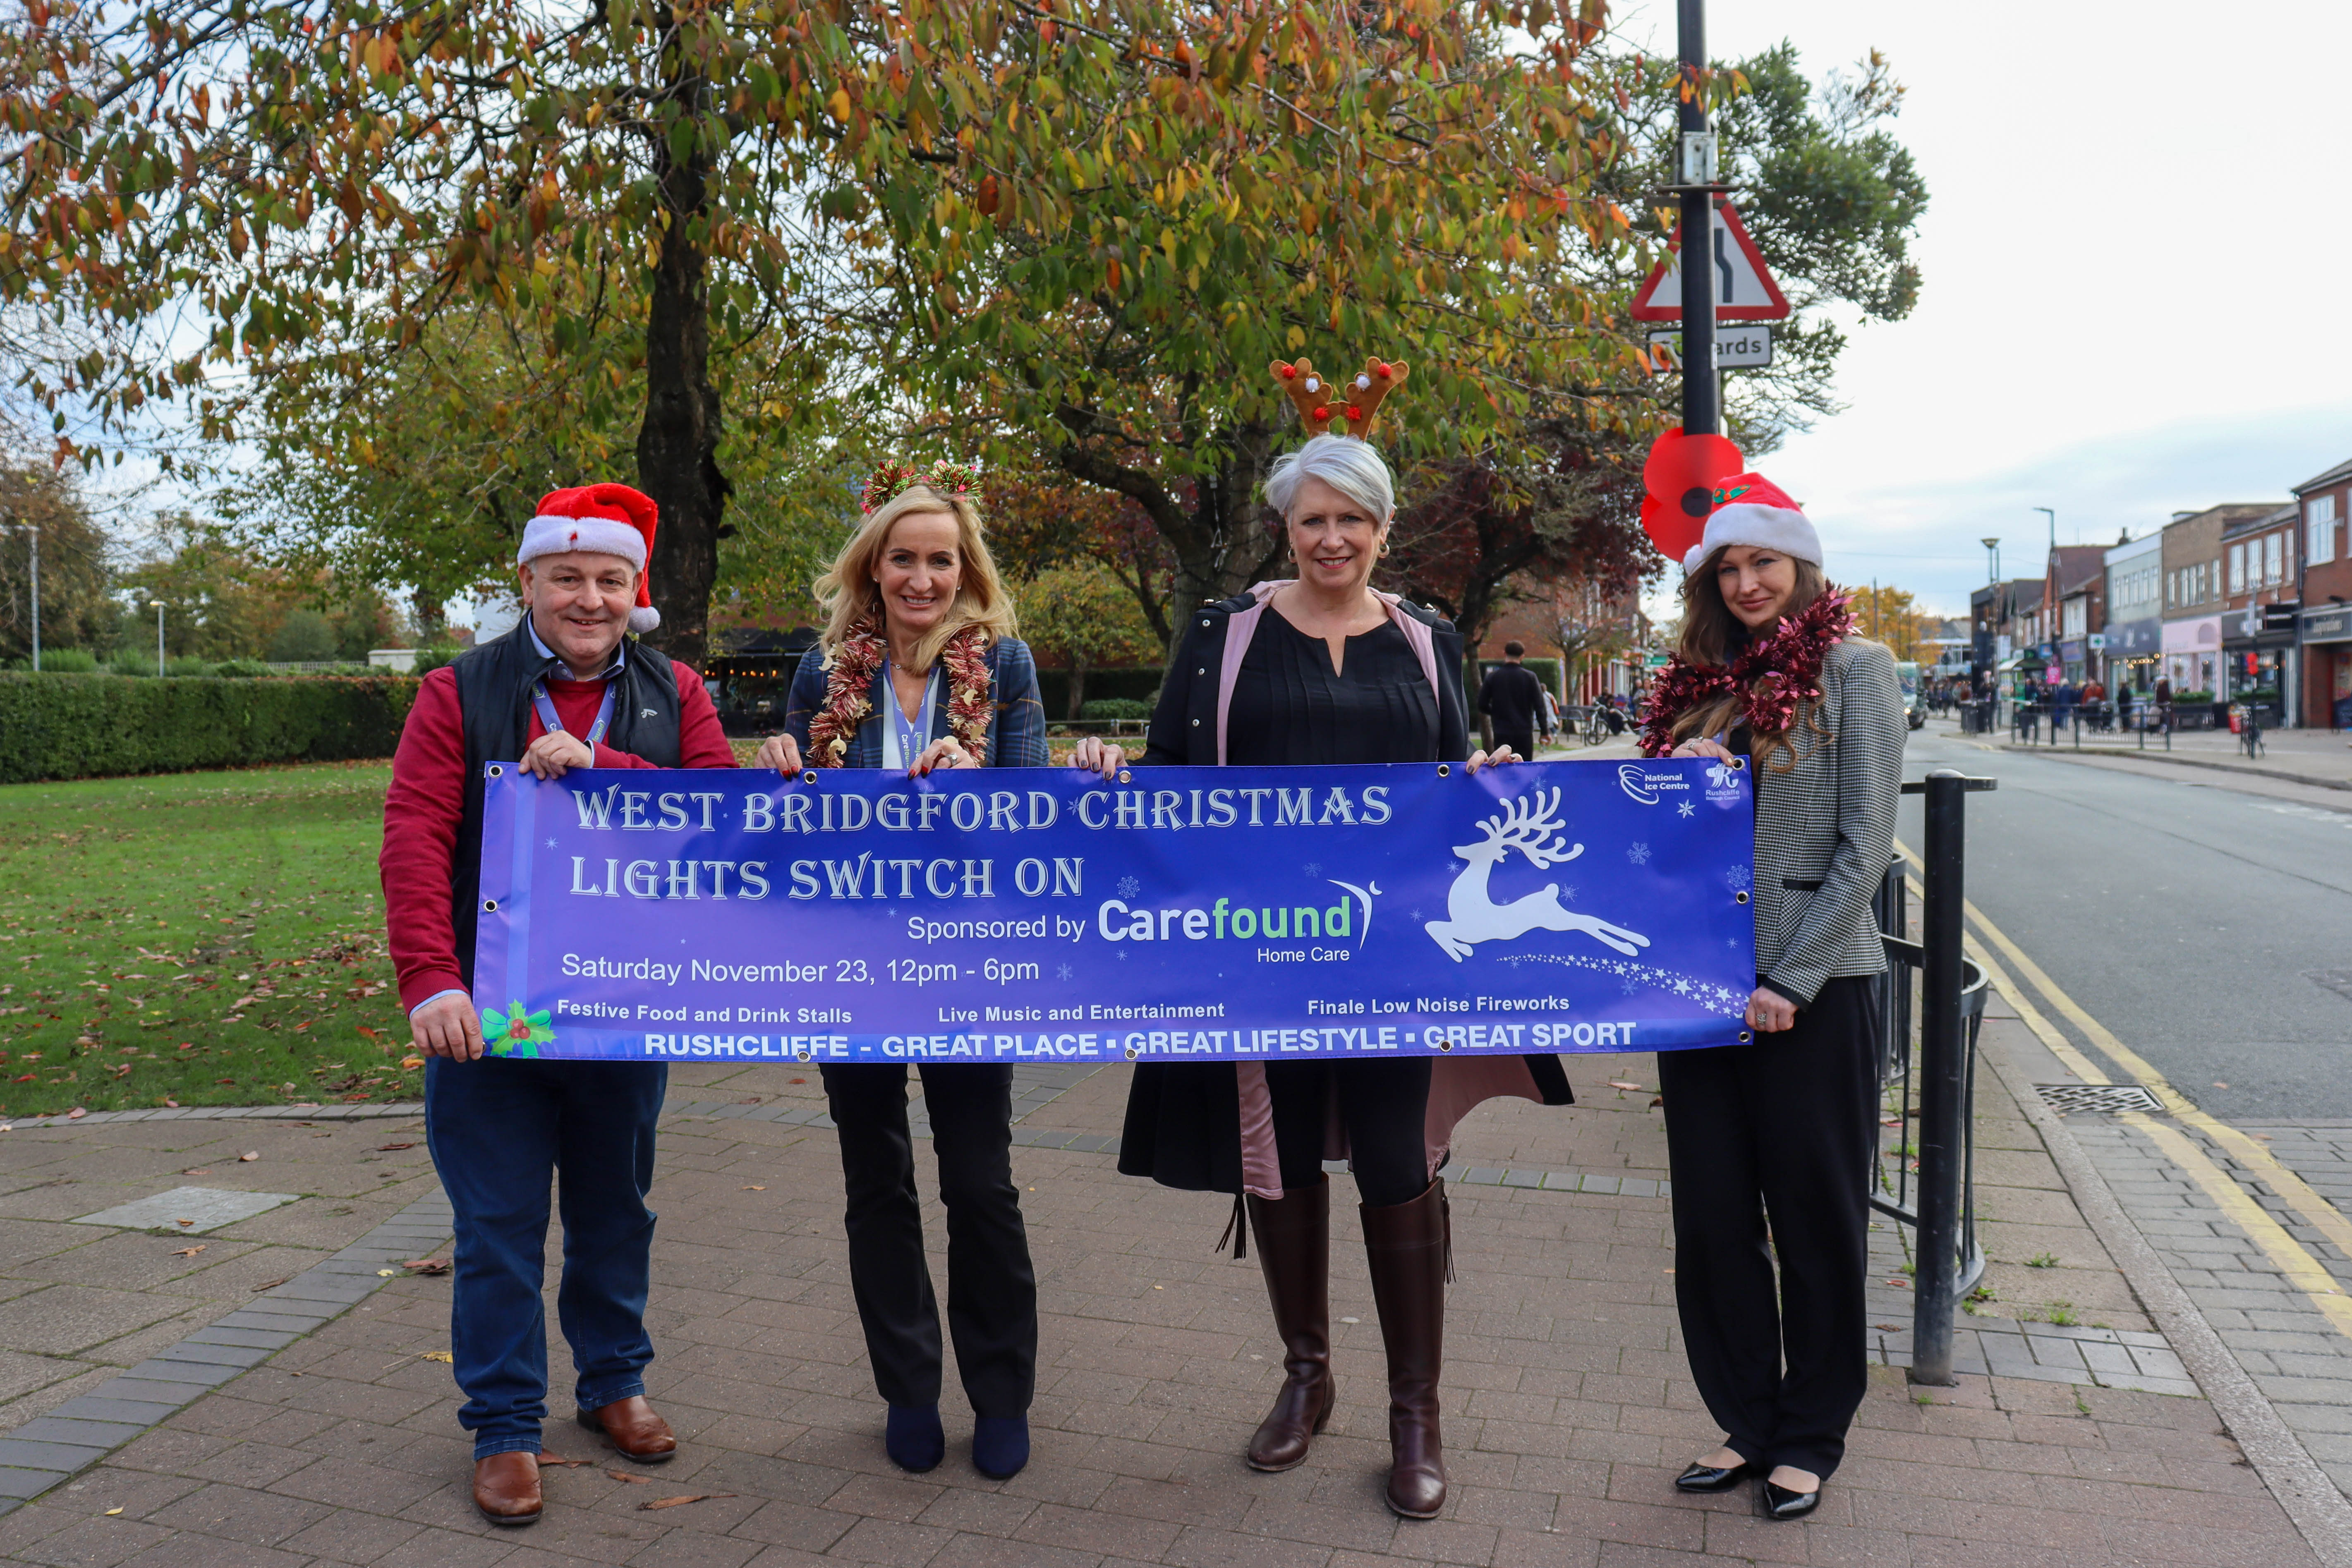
(1770, 1142)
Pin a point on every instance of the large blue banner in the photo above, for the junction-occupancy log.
(1018, 914)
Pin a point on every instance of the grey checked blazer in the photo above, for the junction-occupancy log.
(1824, 829)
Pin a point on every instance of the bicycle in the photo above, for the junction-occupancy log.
(1595, 729)
(2250, 731)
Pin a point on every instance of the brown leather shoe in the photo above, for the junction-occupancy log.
(631, 1426)
(506, 1489)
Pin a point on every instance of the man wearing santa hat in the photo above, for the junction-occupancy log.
(565, 689)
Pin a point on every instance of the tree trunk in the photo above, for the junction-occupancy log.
(1078, 687)
(678, 446)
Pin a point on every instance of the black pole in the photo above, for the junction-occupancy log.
(1942, 1081)
(1702, 397)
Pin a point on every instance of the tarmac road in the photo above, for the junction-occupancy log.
(2202, 924)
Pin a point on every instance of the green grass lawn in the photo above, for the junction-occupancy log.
(198, 939)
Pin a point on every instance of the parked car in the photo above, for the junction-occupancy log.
(1915, 697)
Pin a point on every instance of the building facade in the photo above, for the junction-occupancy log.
(2194, 595)
(2133, 642)
(2261, 585)
(2324, 630)
(2073, 612)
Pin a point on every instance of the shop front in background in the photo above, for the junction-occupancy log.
(2327, 666)
(2192, 654)
(2258, 659)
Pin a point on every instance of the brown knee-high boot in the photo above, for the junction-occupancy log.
(1294, 1250)
(1406, 1244)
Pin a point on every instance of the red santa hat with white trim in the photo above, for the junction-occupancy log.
(607, 519)
(1751, 509)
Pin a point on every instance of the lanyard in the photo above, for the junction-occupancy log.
(554, 724)
(908, 734)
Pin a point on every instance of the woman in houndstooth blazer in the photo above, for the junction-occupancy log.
(1771, 1141)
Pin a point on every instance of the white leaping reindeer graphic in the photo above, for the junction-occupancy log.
(1527, 825)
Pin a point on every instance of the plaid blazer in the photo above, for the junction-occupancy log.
(1825, 828)
(1016, 735)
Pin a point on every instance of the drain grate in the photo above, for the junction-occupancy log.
(2108, 1098)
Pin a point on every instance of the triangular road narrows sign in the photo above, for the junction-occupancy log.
(1743, 286)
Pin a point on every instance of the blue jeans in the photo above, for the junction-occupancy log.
(499, 1129)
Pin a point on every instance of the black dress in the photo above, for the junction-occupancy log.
(1290, 708)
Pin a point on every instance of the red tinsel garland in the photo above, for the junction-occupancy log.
(1776, 674)
(849, 684)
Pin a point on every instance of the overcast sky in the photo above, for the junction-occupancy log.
(2137, 259)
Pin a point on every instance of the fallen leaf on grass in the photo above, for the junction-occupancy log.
(76, 1114)
(390, 1148)
(442, 1356)
(1615, 1083)
(427, 1266)
(248, 1156)
(411, 1064)
(190, 1251)
(632, 1480)
(679, 1501)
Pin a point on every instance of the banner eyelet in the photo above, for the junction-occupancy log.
(1445, 1045)
(1443, 771)
(1132, 1053)
(1746, 1039)
(1739, 898)
(809, 777)
(1739, 765)
(1125, 777)
(489, 906)
(802, 1054)
(497, 769)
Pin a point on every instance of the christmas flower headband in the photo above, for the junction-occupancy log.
(945, 477)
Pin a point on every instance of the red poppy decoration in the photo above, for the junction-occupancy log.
(1679, 480)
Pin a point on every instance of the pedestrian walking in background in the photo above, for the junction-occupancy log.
(1323, 669)
(563, 689)
(1512, 697)
(919, 670)
(1547, 717)
(1769, 1141)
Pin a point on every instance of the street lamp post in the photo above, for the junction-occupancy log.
(1694, 174)
(157, 606)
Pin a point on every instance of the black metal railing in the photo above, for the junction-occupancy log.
(1931, 1007)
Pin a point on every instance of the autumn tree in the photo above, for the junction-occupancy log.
(42, 508)
(1412, 182)
(1082, 613)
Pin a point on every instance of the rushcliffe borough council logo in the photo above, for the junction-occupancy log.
(1643, 787)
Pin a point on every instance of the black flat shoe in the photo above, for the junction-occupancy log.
(1710, 1478)
(1779, 1502)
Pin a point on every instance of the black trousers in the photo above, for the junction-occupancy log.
(1382, 1104)
(1522, 741)
(1772, 1145)
(992, 1290)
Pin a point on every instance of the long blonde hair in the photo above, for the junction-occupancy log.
(1709, 632)
(849, 594)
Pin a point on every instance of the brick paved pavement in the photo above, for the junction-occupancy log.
(1568, 1405)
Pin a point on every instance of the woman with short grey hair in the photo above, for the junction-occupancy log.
(1321, 668)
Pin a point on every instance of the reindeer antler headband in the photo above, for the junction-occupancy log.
(888, 481)
(1320, 401)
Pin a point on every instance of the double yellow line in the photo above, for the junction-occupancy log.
(2290, 1256)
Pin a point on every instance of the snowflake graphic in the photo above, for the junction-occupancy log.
(1732, 943)
(1638, 853)
(1569, 892)
(1685, 808)
(1062, 972)
(550, 844)
(1736, 879)
(1313, 867)
(1629, 985)
(1128, 887)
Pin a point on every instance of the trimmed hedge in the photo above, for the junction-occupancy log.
(91, 726)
